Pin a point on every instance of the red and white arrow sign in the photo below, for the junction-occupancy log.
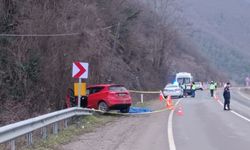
(80, 70)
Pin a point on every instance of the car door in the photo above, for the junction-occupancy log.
(94, 96)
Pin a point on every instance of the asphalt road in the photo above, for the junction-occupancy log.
(205, 125)
(201, 125)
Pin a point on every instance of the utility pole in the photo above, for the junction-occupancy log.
(117, 36)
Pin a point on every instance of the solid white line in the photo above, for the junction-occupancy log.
(237, 114)
(170, 129)
(243, 94)
(220, 103)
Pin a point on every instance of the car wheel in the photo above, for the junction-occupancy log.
(103, 106)
(125, 110)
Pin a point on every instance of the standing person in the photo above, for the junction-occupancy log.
(212, 88)
(226, 95)
(193, 88)
(215, 85)
(184, 87)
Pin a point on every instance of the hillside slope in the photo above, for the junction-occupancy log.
(221, 30)
(124, 42)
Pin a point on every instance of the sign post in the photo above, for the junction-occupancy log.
(79, 92)
(80, 71)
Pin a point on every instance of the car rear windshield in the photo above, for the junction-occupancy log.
(183, 80)
(117, 89)
(94, 90)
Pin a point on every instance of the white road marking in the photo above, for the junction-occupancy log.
(237, 114)
(220, 103)
(242, 94)
(170, 129)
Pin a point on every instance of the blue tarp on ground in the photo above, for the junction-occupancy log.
(139, 110)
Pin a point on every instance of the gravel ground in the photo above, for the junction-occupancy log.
(140, 132)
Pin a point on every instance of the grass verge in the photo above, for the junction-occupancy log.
(85, 125)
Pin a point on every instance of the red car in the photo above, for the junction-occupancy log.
(109, 97)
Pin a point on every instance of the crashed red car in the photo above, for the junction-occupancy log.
(107, 97)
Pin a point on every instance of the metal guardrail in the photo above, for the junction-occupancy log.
(9, 133)
(15, 130)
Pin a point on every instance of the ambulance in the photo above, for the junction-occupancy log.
(184, 79)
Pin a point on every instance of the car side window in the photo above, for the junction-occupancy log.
(94, 90)
(87, 92)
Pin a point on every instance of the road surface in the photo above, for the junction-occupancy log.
(201, 124)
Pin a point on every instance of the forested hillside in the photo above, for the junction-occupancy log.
(221, 30)
(124, 42)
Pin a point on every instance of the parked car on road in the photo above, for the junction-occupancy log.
(199, 85)
(173, 90)
(107, 97)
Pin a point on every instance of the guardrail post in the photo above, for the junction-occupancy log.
(66, 123)
(29, 138)
(55, 128)
(78, 124)
(12, 145)
(141, 98)
(44, 132)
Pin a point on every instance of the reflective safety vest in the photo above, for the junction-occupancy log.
(193, 87)
(212, 87)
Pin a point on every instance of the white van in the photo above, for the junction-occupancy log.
(184, 78)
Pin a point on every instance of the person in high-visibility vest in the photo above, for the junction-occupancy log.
(193, 88)
(184, 87)
(212, 88)
(215, 85)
